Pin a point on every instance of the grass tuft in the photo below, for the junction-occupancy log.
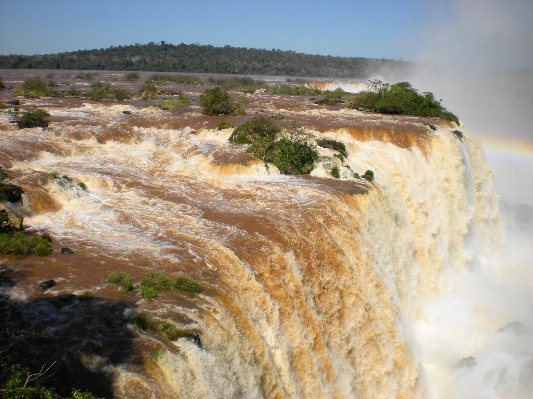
(121, 279)
(187, 284)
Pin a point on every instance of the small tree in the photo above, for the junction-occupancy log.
(148, 91)
(33, 119)
(218, 102)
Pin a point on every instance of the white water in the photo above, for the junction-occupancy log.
(313, 290)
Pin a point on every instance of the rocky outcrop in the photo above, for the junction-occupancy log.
(10, 193)
(10, 221)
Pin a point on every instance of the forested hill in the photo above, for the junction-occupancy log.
(165, 57)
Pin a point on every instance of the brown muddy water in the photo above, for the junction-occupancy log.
(310, 284)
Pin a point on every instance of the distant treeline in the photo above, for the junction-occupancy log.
(193, 58)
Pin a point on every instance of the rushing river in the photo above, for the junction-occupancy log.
(312, 287)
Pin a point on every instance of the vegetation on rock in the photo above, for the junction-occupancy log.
(399, 98)
(104, 92)
(33, 119)
(259, 126)
(16, 243)
(334, 145)
(121, 279)
(218, 102)
(224, 125)
(33, 88)
(179, 104)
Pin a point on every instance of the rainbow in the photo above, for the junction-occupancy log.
(522, 149)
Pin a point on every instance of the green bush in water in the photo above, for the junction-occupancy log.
(121, 279)
(218, 102)
(33, 119)
(186, 284)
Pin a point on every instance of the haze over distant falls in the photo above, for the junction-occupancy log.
(311, 286)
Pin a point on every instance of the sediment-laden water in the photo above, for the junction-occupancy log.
(312, 287)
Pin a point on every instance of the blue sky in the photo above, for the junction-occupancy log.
(377, 29)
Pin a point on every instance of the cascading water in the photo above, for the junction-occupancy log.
(313, 287)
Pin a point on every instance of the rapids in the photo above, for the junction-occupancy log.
(312, 287)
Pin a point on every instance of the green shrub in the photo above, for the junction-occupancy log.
(130, 77)
(334, 145)
(14, 243)
(257, 127)
(148, 91)
(148, 292)
(224, 125)
(292, 155)
(218, 102)
(40, 246)
(82, 185)
(186, 284)
(104, 92)
(86, 76)
(369, 175)
(399, 98)
(356, 176)
(335, 172)
(17, 244)
(144, 322)
(172, 333)
(459, 134)
(157, 281)
(180, 104)
(121, 279)
(33, 88)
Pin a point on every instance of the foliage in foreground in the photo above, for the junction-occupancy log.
(33, 88)
(17, 382)
(399, 98)
(33, 119)
(16, 243)
(218, 102)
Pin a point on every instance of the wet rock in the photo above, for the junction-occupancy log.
(10, 193)
(10, 221)
(13, 102)
(46, 237)
(46, 285)
(126, 112)
(67, 251)
(467, 362)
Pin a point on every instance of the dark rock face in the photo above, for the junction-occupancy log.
(46, 237)
(10, 193)
(10, 221)
(46, 285)
(67, 251)
(126, 112)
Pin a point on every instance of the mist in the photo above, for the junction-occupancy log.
(477, 56)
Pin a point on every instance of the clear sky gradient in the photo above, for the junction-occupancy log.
(376, 29)
(486, 46)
